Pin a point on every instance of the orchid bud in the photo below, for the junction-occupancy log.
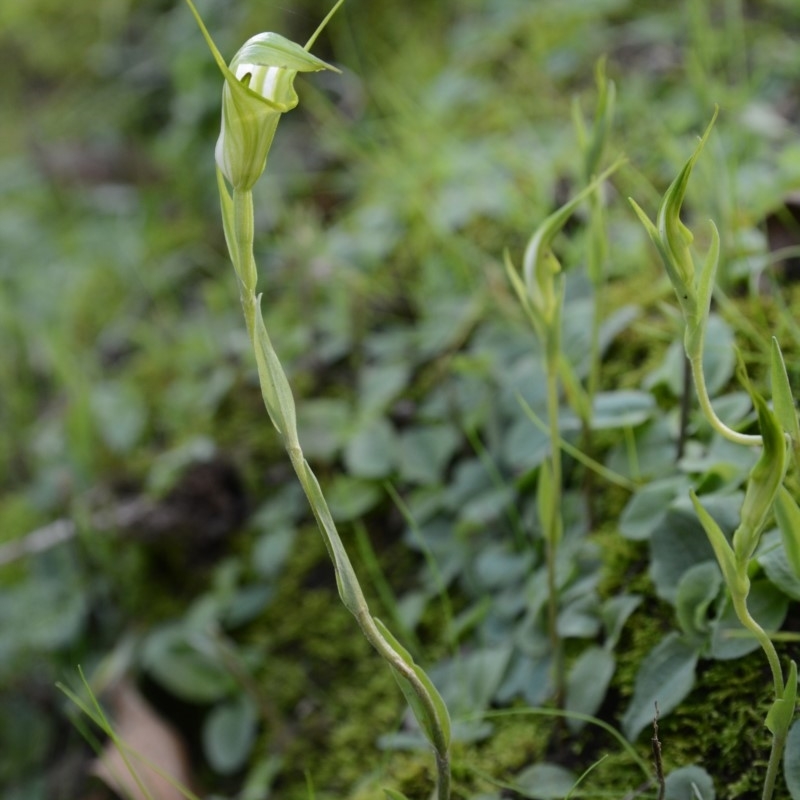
(673, 239)
(540, 267)
(259, 87)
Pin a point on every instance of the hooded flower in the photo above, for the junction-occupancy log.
(259, 87)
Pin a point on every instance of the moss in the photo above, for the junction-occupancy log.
(625, 563)
(517, 742)
(332, 695)
(720, 725)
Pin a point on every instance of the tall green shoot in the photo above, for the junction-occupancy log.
(593, 144)
(765, 495)
(540, 290)
(258, 89)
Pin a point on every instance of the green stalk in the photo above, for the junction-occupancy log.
(595, 260)
(553, 533)
(749, 440)
(250, 115)
(419, 691)
(780, 733)
(742, 611)
(773, 766)
(244, 234)
(594, 354)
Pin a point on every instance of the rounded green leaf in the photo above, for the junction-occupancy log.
(587, 683)
(545, 782)
(791, 761)
(697, 590)
(649, 506)
(425, 452)
(321, 427)
(182, 669)
(680, 541)
(621, 409)
(772, 558)
(370, 453)
(719, 355)
(120, 414)
(351, 498)
(666, 676)
(689, 783)
(615, 613)
(379, 385)
(228, 734)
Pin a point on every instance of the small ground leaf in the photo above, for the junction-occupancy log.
(666, 677)
(545, 782)
(681, 783)
(791, 761)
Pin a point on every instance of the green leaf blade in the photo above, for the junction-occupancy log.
(787, 515)
(782, 399)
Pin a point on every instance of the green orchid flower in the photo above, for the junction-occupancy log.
(259, 88)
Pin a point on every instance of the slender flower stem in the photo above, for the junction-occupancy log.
(373, 635)
(773, 766)
(243, 239)
(742, 611)
(778, 736)
(241, 245)
(708, 410)
(592, 384)
(553, 535)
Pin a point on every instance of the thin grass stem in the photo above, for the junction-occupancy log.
(490, 466)
(572, 451)
(640, 762)
(430, 560)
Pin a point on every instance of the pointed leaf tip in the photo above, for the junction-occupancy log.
(782, 399)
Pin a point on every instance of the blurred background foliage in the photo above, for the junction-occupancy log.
(128, 405)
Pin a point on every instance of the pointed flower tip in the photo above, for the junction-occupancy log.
(321, 27)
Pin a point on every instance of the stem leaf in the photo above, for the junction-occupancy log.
(782, 400)
(705, 283)
(722, 550)
(780, 714)
(275, 387)
(346, 580)
(763, 483)
(787, 515)
(540, 264)
(441, 720)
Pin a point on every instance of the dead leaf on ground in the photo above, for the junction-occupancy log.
(150, 740)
